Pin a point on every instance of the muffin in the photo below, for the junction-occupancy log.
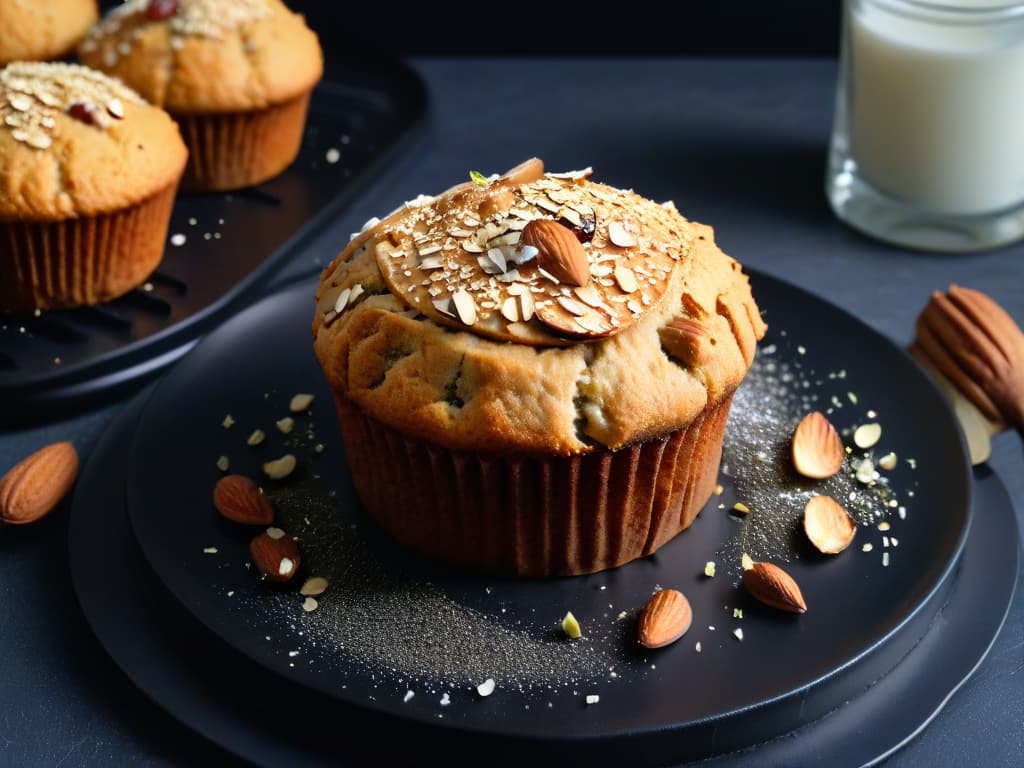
(31, 30)
(533, 372)
(235, 74)
(88, 175)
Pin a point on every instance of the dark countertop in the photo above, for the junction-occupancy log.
(740, 144)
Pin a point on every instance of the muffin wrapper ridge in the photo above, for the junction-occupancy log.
(530, 516)
(231, 151)
(88, 260)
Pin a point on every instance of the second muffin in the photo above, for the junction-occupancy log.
(88, 175)
(235, 74)
(31, 30)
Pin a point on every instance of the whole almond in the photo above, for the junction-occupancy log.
(773, 586)
(828, 525)
(559, 251)
(36, 484)
(978, 346)
(276, 554)
(664, 619)
(238, 498)
(686, 340)
(817, 449)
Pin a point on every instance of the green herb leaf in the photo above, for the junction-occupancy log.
(479, 179)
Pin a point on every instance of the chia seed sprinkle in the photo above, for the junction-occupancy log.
(379, 620)
(775, 395)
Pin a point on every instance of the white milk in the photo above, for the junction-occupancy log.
(936, 110)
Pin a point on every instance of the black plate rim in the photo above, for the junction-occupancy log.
(785, 749)
(928, 602)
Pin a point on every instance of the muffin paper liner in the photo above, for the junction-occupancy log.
(76, 262)
(231, 151)
(534, 516)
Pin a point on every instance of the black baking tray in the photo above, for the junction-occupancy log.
(362, 118)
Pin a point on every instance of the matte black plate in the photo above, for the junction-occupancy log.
(234, 242)
(260, 716)
(863, 619)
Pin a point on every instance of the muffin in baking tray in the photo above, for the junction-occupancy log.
(236, 74)
(533, 372)
(41, 30)
(88, 175)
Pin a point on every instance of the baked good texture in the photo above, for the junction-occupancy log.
(31, 30)
(533, 372)
(88, 174)
(235, 74)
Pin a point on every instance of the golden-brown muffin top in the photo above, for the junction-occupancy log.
(207, 56)
(74, 142)
(535, 313)
(32, 30)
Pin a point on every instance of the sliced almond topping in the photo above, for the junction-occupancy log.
(620, 235)
(465, 306)
(625, 279)
(524, 173)
(510, 309)
(828, 525)
(342, 300)
(573, 319)
(817, 449)
(572, 306)
(595, 325)
(588, 294)
(526, 306)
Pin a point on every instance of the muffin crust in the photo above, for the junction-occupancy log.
(210, 56)
(396, 335)
(31, 30)
(117, 152)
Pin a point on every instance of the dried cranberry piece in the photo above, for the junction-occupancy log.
(85, 112)
(584, 232)
(158, 10)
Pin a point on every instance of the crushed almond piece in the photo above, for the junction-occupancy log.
(571, 626)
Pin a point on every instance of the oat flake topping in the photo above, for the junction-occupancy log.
(33, 94)
(460, 258)
(211, 19)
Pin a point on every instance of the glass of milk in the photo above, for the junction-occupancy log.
(928, 141)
